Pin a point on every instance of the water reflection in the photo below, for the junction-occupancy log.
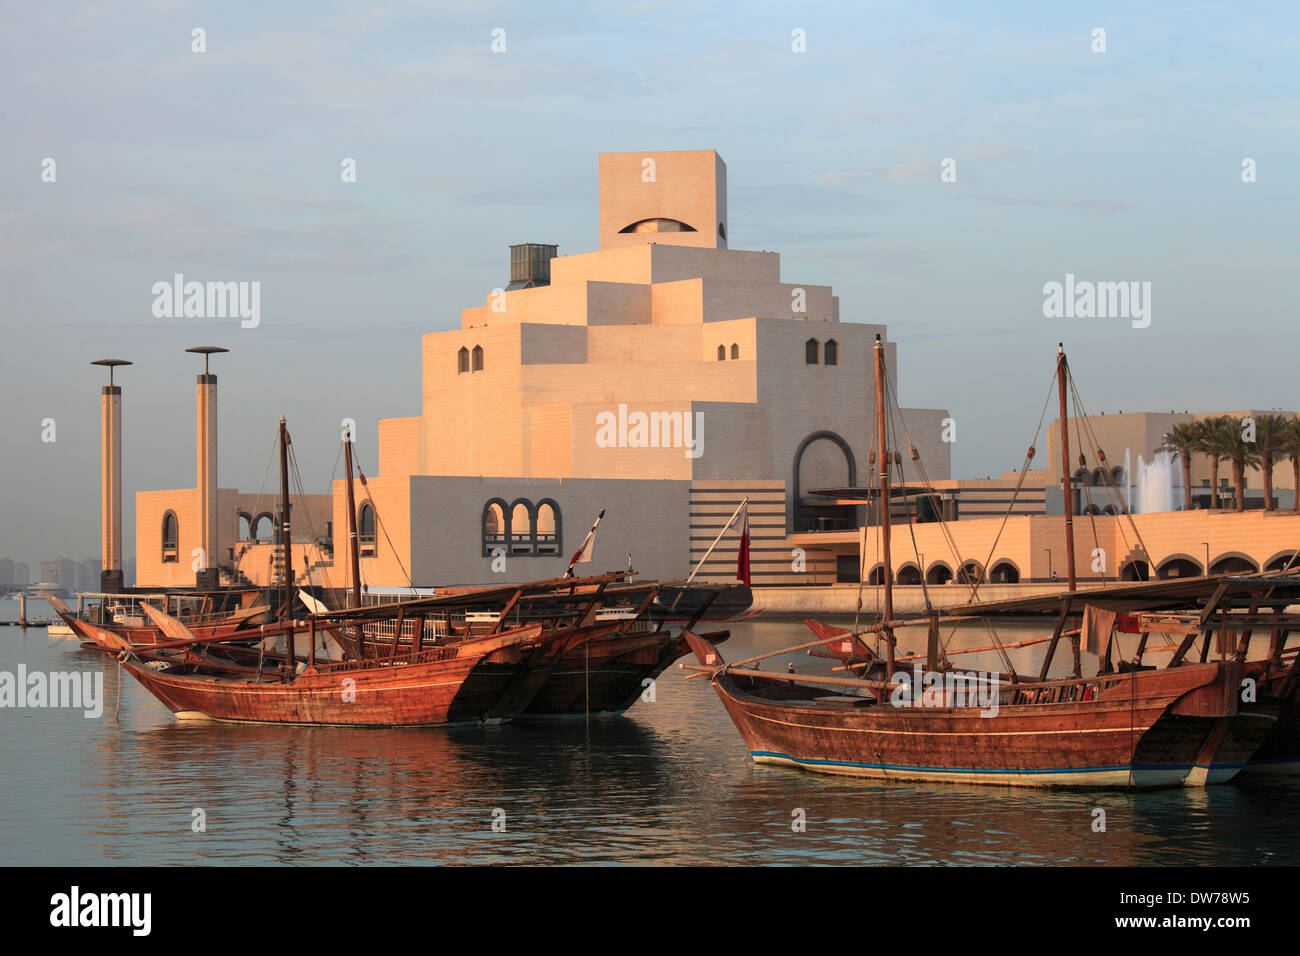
(672, 783)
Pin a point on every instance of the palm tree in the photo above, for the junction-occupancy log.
(1182, 440)
(1213, 439)
(1240, 453)
(1272, 433)
(1293, 452)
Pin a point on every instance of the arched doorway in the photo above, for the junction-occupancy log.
(1179, 566)
(1283, 560)
(939, 573)
(1004, 572)
(1233, 564)
(822, 460)
(1135, 570)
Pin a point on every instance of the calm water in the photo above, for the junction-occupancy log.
(670, 783)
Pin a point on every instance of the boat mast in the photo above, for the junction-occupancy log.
(1062, 371)
(286, 612)
(352, 528)
(883, 458)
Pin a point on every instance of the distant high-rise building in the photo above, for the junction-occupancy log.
(88, 574)
(6, 573)
(61, 571)
(22, 575)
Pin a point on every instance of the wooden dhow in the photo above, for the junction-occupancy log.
(1140, 727)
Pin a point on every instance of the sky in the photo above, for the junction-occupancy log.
(1117, 165)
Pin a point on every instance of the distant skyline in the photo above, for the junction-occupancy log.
(1116, 166)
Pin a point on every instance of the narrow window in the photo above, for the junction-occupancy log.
(169, 537)
(494, 526)
(810, 352)
(722, 353)
(366, 530)
(735, 350)
(523, 531)
(462, 361)
(548, 528)
(832, 352)
(478, 358)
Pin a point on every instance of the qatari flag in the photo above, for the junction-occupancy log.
(584, 553)
(742, 554)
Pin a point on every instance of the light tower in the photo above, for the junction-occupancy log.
(110, 480)
(207, 575)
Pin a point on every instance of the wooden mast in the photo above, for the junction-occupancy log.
(883, 458)
(1062, 371)
(287, 610)
(352, 529)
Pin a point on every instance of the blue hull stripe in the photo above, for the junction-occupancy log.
(890, 766)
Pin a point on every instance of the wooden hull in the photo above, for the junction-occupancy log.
(1127, 735)
(418, 691)
(596, 680)
(1279, 754)
(1230, 745)
(145, 637)
(608, 681)
(242, 624)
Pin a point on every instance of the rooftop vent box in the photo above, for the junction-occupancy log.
(530, 265)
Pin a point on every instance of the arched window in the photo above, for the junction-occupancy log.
(494, 526)
(170, 535)
(245, 532)
(810, 352)
(366, 529)
(478, 358)
(548, 527)
(263, 528)
(523, 530)
(735, 350)
(462, 361)
(832, 352)
(722, 352)
(658, 225)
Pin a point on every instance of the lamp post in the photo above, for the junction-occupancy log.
(1207, 558)
(206, 573)
(1049, 563)
(110, 480)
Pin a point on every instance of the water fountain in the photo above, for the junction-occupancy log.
(1158, 484)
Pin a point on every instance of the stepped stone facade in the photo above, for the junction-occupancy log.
(663, 378)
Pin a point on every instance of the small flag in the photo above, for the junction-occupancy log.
(742, 554)
(584, 553)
